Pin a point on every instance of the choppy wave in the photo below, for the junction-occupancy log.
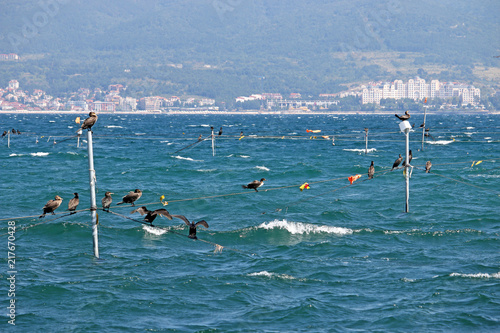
(439, 142)
(304, 228)
(477, 275)
(206, 170)
(186, 158)
(261, 167)
(272, 275)
(39, 154)
(153, 230)
(370, 150)
(113, 126)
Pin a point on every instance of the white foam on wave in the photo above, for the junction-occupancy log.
(488, 138)
(206, 170)
(261, 167)
(244, 156)
(470, 128)
(439, 142)
(153, 230)
(186, 158)
(370, 150)
(164, 141)
(478, 275)
(13, 155)
(140, 133)
(39, 154)
(272, 275)
(113, 126)
(304, 228)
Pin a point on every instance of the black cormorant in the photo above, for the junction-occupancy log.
(371, 171)
(131, 197)
(90, 121)
(428, 166)
(255, 184)
(51, 206)
(404, 117)
(192, 225)
(106, 201)
(151, 215)
(410, 157)
(73, 203)
(397, 162)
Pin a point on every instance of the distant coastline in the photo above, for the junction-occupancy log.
(247, 112)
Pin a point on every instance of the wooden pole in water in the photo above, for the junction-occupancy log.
(407, 169)
(93, 205)
(213, 142)
(366, 140)
(423, 129)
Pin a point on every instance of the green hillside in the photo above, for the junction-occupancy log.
(233, 47)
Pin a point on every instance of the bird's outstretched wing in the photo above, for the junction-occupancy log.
(139, 210)
(203, 223)
(182, 217)
(163, 212)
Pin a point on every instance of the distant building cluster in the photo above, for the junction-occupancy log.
(418, 89)
(98, 100)
(275, 101)
(8, 57)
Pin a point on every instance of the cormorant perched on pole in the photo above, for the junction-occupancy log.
(90, 121)
(4, 133)
(192, 225)
(410, 157)
(151, 215)
(371, 171)
(51, 206)
(255, 184)
(106, 201)
(428, 166)
(73, 203)
(131, 197)
(220, 131)
(404, 117)
(397, 162)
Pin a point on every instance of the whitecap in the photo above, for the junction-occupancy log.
(39, 154)
(244, 156)
(370, 150)
(206, 170)
(186, 158)
(470, 128)
(13, 155)
(478, 275)
(52, 121)
(164, 141)
(263, 168)
(440, 142)
(153, 230)
(113, 126)
(272, 275)
(304, 228)
(140, 133)
(488, 138)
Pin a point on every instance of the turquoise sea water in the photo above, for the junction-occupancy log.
(332, 258)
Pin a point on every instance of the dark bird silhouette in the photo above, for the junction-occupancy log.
(410, 157)
(397, 162)
(4, 133)
(131, 197)
(73, 203)
(13, 131)
(18, 132)
(192, 225)
(371, 171)
(51, 206)
(428, 166)
(404, 117)
(106, 201)
(90, 121)
(151, 215)
(255, 184)
(220, 131)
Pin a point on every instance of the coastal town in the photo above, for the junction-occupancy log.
(114, 99)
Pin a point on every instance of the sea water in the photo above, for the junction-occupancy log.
(332, 258)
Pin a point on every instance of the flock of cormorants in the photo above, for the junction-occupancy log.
(133, 196)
